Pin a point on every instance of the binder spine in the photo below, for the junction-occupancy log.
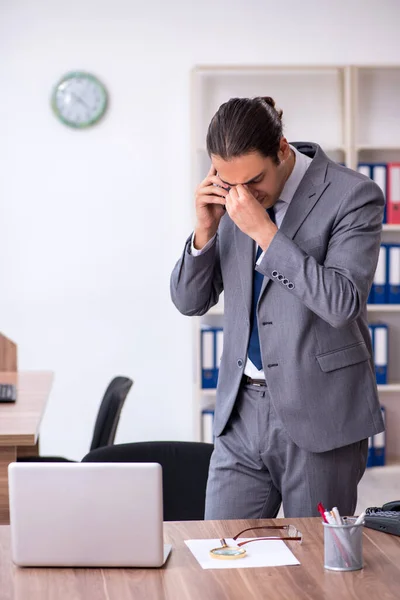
(394, 274)
(211, 347)
(207, 425)
(370, 459)
(393, 204)
(379, 443)
(381, 353)
(208, 376)
(379, 175)
(379, 285)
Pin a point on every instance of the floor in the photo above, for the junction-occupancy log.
(379, 485)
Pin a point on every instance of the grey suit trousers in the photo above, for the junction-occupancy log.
(256, 466)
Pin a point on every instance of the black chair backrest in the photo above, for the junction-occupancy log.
(109, 412)
(185, 471)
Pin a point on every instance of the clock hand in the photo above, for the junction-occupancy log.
(79, 99)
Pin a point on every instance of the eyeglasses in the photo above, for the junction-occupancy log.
(231, 552)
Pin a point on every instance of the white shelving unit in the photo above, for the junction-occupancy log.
(390, 387)
(353, 113)
(386, 308)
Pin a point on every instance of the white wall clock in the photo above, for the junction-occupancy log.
(79, 99)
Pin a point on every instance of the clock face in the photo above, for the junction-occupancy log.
(79, 100)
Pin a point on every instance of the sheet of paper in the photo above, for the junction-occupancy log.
(267, 553)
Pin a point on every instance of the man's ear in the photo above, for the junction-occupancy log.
(284, 150)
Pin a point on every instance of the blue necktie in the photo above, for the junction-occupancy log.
(254, 342)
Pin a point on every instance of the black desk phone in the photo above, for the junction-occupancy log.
(384, 518)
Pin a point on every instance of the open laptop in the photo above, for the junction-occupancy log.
(87, 514)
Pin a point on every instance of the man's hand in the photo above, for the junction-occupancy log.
(210, 202)
(250, 216)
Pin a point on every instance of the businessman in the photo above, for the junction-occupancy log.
(292, 238)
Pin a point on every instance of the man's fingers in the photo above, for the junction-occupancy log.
(234, 193)
(215, 180)
(218, 181)
(211, 199)
(213, 190)
(212, 171)
(245, 192)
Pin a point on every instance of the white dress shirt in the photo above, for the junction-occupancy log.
(302, 162)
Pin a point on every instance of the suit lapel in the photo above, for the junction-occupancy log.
(311, 188)
(306, 196)
(301, 205)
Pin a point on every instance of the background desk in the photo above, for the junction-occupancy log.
(182, 578)
(19, 424)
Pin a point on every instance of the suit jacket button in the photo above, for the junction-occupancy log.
(274, 273)
(240, 362)
(290, 285)
(285, 281)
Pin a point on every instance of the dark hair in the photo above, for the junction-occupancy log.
(244, 125)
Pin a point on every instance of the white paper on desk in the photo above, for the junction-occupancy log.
(268, 553)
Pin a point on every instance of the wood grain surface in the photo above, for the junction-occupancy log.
(182, 578)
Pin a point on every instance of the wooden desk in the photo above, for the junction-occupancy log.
(19, 424)
(182, 578)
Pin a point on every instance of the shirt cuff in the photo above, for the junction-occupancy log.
(195, 252)
(260, 258)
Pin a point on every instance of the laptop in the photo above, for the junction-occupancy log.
(86, 514)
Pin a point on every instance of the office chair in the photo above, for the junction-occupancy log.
(184, 471)
(106, 421)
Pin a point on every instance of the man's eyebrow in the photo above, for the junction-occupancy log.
(246, 183)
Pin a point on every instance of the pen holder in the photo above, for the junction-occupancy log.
(343, 546)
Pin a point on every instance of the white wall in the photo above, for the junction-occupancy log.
(92, 222)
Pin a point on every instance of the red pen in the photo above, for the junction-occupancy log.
(321, 511)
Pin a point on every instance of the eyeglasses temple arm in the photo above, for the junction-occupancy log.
(260, 527)
(290, 539)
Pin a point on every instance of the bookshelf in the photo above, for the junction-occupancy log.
(386, 308)
(352, 112)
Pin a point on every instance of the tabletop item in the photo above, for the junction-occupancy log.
(265, 553)
(343, 545)
(86, 514)
(342, 540)
(231, 552)
(384, 518)
(8, 392)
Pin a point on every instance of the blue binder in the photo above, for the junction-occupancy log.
(371, 299)
(370, 459)
(393, 269)
(379, 444)
(380, 347)
(211, 350)
(207, 425)
(378, 173)
(380, 283)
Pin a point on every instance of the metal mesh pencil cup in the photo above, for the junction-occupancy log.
(343, 546)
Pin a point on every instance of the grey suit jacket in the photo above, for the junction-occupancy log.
(314, 338)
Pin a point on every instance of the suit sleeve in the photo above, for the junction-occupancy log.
(196, 281)
(337, 290)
